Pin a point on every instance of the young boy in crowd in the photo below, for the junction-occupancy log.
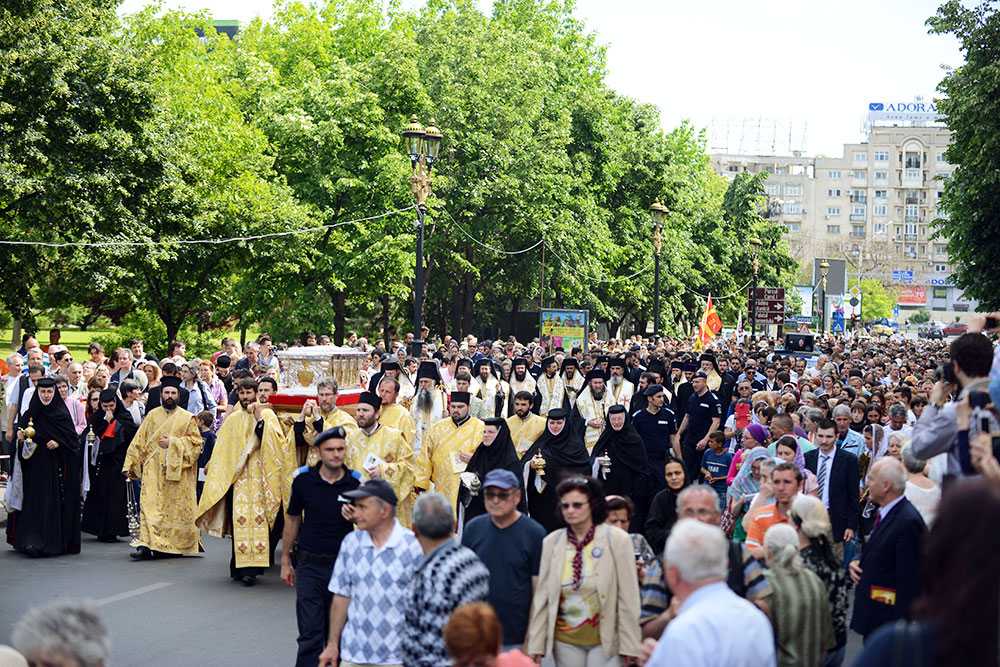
(715, 463)
(206, 419)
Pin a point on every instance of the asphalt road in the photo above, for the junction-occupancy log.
(184, 611)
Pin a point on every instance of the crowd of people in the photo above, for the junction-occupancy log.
(500, 503)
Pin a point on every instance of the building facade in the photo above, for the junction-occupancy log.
(872, 207)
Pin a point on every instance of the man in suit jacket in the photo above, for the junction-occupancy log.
(836, 473)
(887, 577)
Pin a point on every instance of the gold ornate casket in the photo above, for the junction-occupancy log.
(302, 368)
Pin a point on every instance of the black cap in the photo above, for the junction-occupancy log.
(45, 383)
(701, 374)
(548, 361)
(464, 361)
(558, 413)
(461, 397)
(428, 370)
(371, 399)
(593, 374)
(653, 390)
(679, 365)
(223, 361)
(617, 361)
(337, 432)
(569, 361)
(390, 365)
(170, 381)
(108, 395)
(374, 488)
(520, 361)
(485, 361)
(616, 409)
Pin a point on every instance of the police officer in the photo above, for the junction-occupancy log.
(703, 415)
(318, 492)
(656, 425)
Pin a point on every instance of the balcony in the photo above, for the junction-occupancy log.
(857, 217)
(913, 178)
(857, 235)
(909, 237)
(859, 199)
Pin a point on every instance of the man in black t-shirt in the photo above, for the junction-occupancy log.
(318, 492)
(657, 426)
(703, 415)
(510, 545)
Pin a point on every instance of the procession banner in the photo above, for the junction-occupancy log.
(565, 328)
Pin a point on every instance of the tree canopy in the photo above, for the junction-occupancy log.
(152, 131)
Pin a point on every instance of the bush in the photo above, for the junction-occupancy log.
(920, 317)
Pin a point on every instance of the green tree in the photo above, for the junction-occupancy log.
(877, 300)
(920, 317)
(971, 107)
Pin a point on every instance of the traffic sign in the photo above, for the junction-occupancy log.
(766, 304)
(768, 293)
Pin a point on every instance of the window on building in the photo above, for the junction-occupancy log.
(910, 250)
(912, 212)
(859, 196)
(858, 174)
(940, 268)
(793, 227)
(833, 210)
(910, 228)
(881, 156)
(858, 230)
(881, 210)
(733, 168)
(834, 173)
(858, 209)
(792, 208)
(860, 156)
(879, 228)
(793, 190)
(833, 192)
(881, 177)
(912, 160)
(772, 189)
(833, 229)
(940, 248)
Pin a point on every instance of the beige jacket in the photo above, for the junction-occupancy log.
(618, 587)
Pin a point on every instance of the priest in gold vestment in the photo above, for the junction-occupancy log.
(378, 451)
(525, 426)
(392, 413)
(448, 446)
(316, 417)
(164, 456)
(247, 480)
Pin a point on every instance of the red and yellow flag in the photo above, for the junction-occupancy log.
(710, 326)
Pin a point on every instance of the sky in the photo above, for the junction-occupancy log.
(762, 76)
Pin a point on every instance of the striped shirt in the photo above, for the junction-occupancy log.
(800, 614)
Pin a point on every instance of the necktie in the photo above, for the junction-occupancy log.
(821, 475)
(878, 520)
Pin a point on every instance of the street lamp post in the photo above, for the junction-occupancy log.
(659, 214)
(422, 144)
(755, 266)
(824, 270)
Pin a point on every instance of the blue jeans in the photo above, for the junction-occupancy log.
(312, 610)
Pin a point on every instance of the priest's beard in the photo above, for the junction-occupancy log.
(616, 380)
(246, 404)
(598, 395)
(551, 374)
(458, 421)
(570, 374)
(425, 400)
(484, 379)
(520, 373)
(169, 404)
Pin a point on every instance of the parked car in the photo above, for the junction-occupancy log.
(955, 329)
(931, 331)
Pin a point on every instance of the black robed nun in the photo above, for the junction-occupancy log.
(630, 474)
(565, 455)
(499, 454)
(49, 521)
(104, 509)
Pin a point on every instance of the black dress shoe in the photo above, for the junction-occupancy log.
(142, 553)
(249, 581)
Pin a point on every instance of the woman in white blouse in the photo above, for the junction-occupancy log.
(921, 491)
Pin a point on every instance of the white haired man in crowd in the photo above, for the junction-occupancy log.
(63, 634)
(695, 563)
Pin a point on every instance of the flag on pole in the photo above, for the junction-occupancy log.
(711, 325)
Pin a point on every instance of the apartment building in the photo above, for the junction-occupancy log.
(871, 206)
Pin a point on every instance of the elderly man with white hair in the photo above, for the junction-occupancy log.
(65, 632)
(695, 563)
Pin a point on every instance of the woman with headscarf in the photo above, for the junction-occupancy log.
(495, 451)
(558, 453)
(619, 462)
(754, 436)
(745, 486)
(663, 509)
(48, 523)
(104, 509)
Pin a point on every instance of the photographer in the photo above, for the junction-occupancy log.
(949, 426)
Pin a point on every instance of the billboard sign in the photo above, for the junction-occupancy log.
(902, 276)
(564, 328)
(917, 111)
(912, 296)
